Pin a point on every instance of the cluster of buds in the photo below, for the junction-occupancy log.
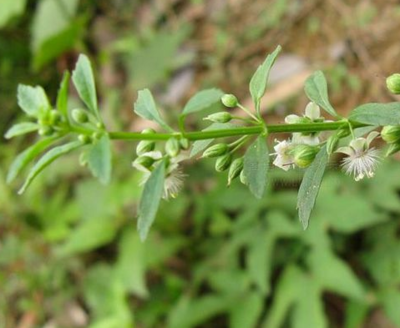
(83, 118)
(50, 121)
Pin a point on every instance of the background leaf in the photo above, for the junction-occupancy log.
(316, 90)
(246, 312)
(256, 164)
(32, 99)
(202, 101)
(99, 159)
(150, 200)
(377, 114)
(310, 186)
(21, 128)
(10, 9)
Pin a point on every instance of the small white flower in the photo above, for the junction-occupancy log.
(361, 161)
(283, 159)
(312, 112)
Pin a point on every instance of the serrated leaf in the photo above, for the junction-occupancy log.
(310, 185)
(146, 108)
(200, 145)
(150, 200)
(23, 159)
(256, 165)
(84, 83)
(316, 90)
(21, 128)
(258, 83)
(62, 96)
(32, 99)
(99, 159)
(46, 160)
(202, 100)
(377, 114)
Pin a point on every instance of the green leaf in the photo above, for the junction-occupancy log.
(246, 312)
(62, 96)
(200, 145)
(99, 159)
(377, 114)
(21, 128)
(316, 90)
(310, 186)
(47, 159)
(150, 200)
(10, 9)
(32, 99)
(83, 80)
(202, 101)
(390, 300)
(23, 159)
(146, 108)
(130, 266)
(256, 164)
(258, 83)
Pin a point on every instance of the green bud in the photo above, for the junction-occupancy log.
(83, 161)
(145, 146)
(46, 131)
(223, 162)
(393, 148)
(148, 131)
(243, 178)
(80, 116)
(216, 150)
(96, 136)
(144, 161)
(185, 143)
(99, 125)
(172, 147)
(55, 117)
(84, 138)
(391, 134)
(331, 144)
(235, 169)
(393, 83)
(221, 117)
(303, 155)
(229, 100)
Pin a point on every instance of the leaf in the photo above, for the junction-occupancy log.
(62, 96)
(99, 159)
(130, 266)
(23, 159)
(21, 128)
(258, 83)
(316, 90)
(150, 200)
(10, 9)
(47, 159)
(146, 108)
(256, 164)
(202, 100)
(390, 300)
(32, 99)
(247, 312)
(200, 145)
(377, 114)
(83, 80)
(310, 186)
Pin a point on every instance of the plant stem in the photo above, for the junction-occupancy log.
(240, 131)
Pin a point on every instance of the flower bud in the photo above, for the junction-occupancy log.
(216, 150)
(55, 117)
(332, 143)
(223, 162)
(148, 131)
(391, 134)
(145, 146)
(221, 117)
(229, 100)
(83, 160)
(80, 116)
(235, 169)
(393, 83)
(96, 136)
(185, 144)
(84, 138)
(393, 149)
(243, 178)
(172, 147)
(46, 131)
(144, 161)
(303, 155)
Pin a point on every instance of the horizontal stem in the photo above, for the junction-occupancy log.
(248, 130)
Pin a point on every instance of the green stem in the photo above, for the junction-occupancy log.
(240, 131)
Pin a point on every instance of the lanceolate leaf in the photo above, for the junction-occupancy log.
(146, 108)
(258, 83)
(99, 159)
(47, 159)
(62, 96)
(377, 114)
(21, 128)
(310, 186)
(202, 100)
(256, 164)
(150, 200)
(316, 89)
(29, 154)
(83, 80)
(32, 99)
